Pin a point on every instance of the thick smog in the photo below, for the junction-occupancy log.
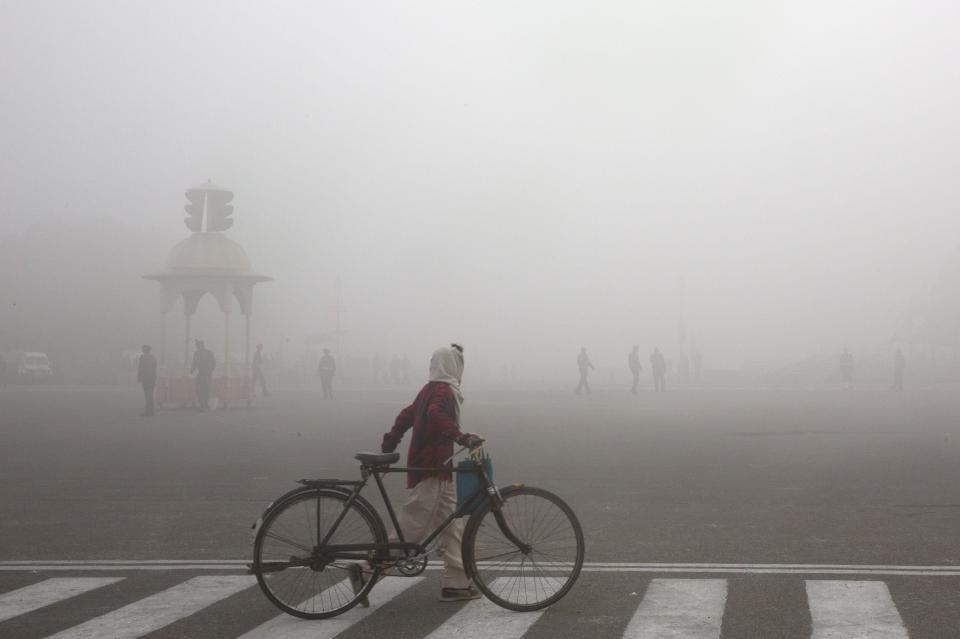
(502, 320)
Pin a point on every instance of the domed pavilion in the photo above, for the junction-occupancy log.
(207, 262)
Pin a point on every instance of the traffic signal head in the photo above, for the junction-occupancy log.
(219, 210)
(195, 209)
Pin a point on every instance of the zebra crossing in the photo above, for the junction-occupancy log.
(631, 605)
(287, 627)
(691, 608)
(46, 593)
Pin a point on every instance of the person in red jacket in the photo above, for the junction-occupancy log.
(434, 421)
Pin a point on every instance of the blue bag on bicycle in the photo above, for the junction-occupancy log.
(469, 481)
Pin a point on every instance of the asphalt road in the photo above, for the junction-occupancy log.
(813, 477)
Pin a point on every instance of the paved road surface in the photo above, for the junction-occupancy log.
(816, 477)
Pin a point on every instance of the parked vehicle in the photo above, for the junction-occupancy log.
(34, 366)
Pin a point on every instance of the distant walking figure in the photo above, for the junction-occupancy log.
(633, 361)
(585, 366)
(658, 366)
(846, 367)
(899, 364)
(203, 365)
(147, 377)
(258, 372)
(326, 370)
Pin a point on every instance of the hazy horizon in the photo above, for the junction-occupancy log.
(777, 177)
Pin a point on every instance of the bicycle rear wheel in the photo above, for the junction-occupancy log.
(287, 557)
(531, 578)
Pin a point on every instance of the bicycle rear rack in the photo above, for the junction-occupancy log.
(322, 483)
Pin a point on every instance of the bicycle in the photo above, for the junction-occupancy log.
(522, 546)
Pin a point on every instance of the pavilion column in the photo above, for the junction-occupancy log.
(246, 353)
(186, 345)
(226, 356)
(163, 341)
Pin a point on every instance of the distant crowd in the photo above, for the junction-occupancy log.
(397, 371)
(659, 368)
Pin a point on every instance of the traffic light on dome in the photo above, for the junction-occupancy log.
(212, 202)
(195, 210)
(219, 210)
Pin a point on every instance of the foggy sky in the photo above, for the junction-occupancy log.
(527, 178)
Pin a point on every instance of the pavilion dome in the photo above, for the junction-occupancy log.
(208, 253)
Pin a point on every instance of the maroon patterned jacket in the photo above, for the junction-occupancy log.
(433, 417)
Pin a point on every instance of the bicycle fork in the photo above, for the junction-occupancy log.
(525, 548)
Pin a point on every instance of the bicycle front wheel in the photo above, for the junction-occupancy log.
(288, 559)
(538, 573)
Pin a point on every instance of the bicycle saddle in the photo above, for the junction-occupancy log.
(377, 459)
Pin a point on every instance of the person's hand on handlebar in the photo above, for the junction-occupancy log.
(471, 441)
(389, 443)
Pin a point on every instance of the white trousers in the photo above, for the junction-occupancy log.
(429, 504)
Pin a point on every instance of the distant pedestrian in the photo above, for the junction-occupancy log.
(658, 365)
(258, 373)
(846, 367)
(204, 363)
(899, 364)
(147, 378)
(327, 369)
(585, 366)
(633, 362)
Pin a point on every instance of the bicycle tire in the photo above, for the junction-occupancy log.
(511, 578)
(305, 590)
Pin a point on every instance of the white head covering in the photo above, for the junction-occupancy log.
(446, 365)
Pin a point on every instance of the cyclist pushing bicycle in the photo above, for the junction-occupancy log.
(434, 418)
(320, 549)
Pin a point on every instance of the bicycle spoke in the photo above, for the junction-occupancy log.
(288, 542)
(503, 554)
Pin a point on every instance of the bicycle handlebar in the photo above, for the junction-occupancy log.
(461, 450)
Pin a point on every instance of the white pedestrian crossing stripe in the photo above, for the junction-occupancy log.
(45, 593)
(159, 610)
(681, 608)
(289, 627)
(482, 619)
(853, 609)
(691, 608)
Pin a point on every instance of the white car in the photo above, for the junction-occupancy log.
(34, 367)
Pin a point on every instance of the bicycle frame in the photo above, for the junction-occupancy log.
(381, 552)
